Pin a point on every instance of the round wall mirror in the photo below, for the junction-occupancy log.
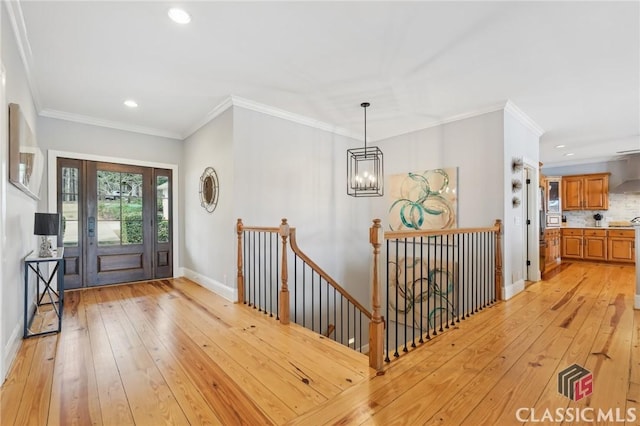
(209, 189)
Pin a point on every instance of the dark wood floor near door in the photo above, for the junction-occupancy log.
(170, 352)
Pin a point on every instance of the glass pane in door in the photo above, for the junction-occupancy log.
(119, 208)
(131, 190)
(162, 209)
(70, 196)
(554, 197)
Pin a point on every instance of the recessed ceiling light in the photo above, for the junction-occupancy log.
(131, 103)
(569, 154)
(560, 146)
(179, 16)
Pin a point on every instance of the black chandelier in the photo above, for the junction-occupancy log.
(365, 169)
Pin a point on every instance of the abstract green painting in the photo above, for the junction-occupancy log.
(423, 200)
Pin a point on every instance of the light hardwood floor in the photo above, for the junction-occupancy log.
(170, 352)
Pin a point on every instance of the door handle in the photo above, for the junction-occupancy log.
(92, 227)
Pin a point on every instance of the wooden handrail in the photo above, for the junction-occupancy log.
(261, 228)
(388, 235)
(323, 274)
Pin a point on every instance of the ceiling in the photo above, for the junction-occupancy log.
(572, 67)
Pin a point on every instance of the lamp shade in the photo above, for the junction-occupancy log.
(46, 224)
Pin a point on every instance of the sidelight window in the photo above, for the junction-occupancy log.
(70, 203)
(163, 213)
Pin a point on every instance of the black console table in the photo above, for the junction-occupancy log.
(54, 297)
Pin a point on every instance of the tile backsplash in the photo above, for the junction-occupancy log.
(621, 207)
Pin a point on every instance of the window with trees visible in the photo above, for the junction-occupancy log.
(120, 202)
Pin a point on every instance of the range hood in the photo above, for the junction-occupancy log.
(631, 176)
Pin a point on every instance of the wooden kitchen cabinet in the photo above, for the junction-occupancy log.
(610, 245)
(572, 192)
(621, 245)
(572, 243)
(552, 248)
(595, 244)
(585, 192)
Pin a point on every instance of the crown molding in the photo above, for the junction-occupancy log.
(469, 114)
(14, 11)
(290, 116)
(507, 106)
(523, 118)
(84, 119)
(215, 112)
(239, 102)
(463, 116)
(236, 101)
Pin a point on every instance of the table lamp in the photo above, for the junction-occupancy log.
(46, 225)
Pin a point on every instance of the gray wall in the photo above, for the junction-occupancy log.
(474, 145)
(270, 168)
(88, 140)
(482, 148)
(209, 253)
(17, 210)
(285, 169)
(84, 138)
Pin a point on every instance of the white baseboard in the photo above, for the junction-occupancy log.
(210, 284)
(511, 290)
(179, 272)
(11, 350)
(537, 276)
(636, 305)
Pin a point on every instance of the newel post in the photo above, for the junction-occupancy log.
(376, 326)
(284, 289)
(498, 272)
(240, 280)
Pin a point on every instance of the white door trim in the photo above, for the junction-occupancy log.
(531, 232)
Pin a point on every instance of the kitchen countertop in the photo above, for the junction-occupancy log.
(597, 227)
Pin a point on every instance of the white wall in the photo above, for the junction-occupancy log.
(16, 216)
(209, 254)
(523, 143)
